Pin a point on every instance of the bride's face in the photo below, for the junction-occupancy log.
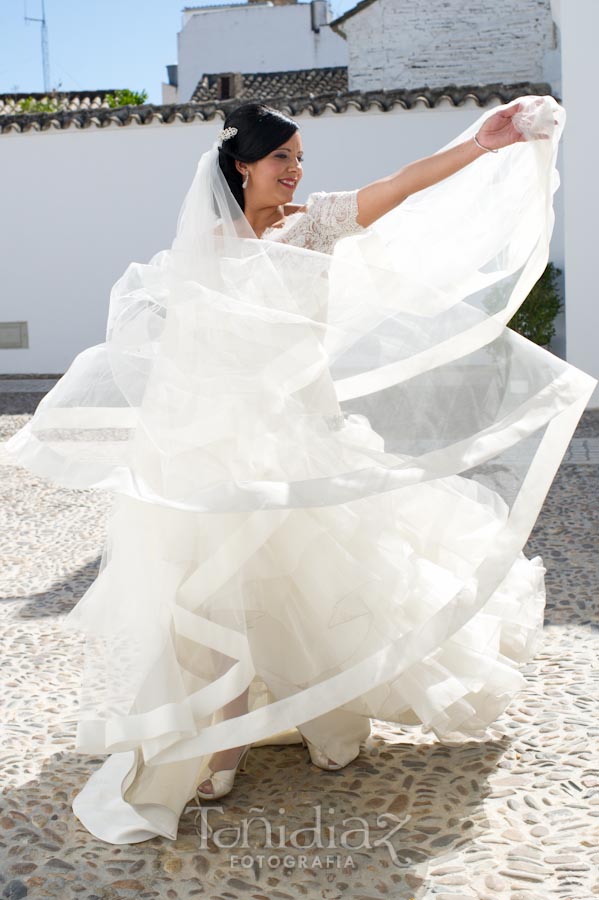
(274, 178)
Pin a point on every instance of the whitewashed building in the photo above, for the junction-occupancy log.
(93, 188)
(257, 36)
(408, 43)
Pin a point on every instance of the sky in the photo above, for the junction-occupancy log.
(95, 44)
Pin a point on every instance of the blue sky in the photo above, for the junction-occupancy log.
(95, 44)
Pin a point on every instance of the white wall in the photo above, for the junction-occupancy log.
(393, 43)
(78, 206)
(253, 39)
(579, 24)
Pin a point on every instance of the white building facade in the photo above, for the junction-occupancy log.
(579, 26)
(253, 37)
(409, 44)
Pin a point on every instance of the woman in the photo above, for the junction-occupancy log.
(327, 452)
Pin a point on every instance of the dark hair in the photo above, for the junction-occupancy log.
(260, 129)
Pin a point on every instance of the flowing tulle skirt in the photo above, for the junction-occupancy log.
(354, 607)
(325, 471)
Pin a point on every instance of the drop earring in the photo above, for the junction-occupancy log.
(244, 183)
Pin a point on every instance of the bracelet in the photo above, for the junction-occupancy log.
(488, 149)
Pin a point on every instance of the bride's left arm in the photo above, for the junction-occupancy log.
(377, 198)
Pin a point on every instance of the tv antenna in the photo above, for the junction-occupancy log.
(45, 54)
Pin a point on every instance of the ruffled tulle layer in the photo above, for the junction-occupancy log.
(326, 468)
(318, 593)
(325, 608)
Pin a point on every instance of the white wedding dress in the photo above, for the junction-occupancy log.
(322, 486)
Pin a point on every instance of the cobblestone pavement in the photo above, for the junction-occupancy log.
(512, 817)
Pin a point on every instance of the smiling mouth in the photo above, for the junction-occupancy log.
(288, 184)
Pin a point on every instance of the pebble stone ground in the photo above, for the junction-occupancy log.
(515, 815)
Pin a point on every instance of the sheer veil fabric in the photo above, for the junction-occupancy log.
(325, 467)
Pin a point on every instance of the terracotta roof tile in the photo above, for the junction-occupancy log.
(336, 101)
(264, 85)
(65, 100)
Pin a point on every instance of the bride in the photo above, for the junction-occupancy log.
(262, 161)
(327, 451)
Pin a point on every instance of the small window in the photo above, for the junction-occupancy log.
(13, 335)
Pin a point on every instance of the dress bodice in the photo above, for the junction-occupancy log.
(328, 217)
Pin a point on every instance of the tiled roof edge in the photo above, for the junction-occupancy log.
(278, 72)
(291, 83)
(45, 95)
(315, 105)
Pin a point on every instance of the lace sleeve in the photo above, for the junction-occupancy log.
(327, 217)
(334, 213)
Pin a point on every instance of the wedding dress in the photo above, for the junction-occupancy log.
(327, 452)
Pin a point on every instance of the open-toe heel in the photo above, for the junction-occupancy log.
(222, 781)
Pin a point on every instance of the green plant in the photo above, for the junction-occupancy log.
(125, 97)
(31, 105)
(535, 319)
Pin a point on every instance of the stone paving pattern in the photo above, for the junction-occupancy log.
(514, 816)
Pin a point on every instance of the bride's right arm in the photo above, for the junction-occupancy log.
(376, 199)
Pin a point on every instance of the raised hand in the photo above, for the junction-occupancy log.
(499, 130)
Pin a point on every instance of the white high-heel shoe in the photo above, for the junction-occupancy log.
(321, 760)
(222, 781)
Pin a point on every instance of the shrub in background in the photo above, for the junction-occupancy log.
(55, 102)
(535, 319)
(125, 97)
